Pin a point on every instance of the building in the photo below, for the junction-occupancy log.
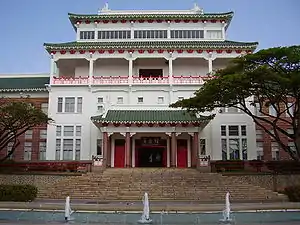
(110, 90)
(31, 88)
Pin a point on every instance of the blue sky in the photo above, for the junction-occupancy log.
(27, 24)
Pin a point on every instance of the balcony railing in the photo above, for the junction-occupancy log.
(107, 80)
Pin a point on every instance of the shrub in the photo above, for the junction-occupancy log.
(228, 166)
(287, 166)
(18, 193)
(257, 165)
(293, 193)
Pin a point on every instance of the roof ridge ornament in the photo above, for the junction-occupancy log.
(197, 9)
(104, 9)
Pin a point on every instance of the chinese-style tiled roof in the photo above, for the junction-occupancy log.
(15, 84)
(138, 16)
(148, 116)
(151, 45)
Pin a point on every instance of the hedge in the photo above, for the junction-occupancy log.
(293, 193)
(18, 193)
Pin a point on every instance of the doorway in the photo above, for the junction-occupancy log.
(151, 157)
(153, 73)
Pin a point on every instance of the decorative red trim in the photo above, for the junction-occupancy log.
(160, 51)
(130, 51)
(161, 124)
(204, 21)
(121, 51)
(116, 124)
(186, 21)
(92, 51)
(173, 124)
(63, 52)
(128, 124)
(111, 51)
(238, 51)
(177, 21)
(104, 124)
(53, 52)
(195, 21)
(150, 21)
(72, 51)
(249, 51)
(228, 51)
(184, 124)
(213, 21)
(139, 124)
(97, 21)
(170, 51)
(141, 51)
(123, 21)
(105, 21)
(150, 51)
(219, 51)
(150, 124)
(180, 51)
(159, 21)
(78, 21)
(81, 51)
(114, 21)
(141, 21)
(209, 50)
(101, 51)
(87, 22)
(199, 51)
(190, 51)
(196, 124)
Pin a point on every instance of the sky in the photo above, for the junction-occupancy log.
(27, 24)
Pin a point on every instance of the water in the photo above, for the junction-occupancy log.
(145, 218)
(160, 218)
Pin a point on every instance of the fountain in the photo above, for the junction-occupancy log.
(68, 210)
(226, 212)
(145, 219)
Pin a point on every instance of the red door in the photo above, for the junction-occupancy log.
(164, 158)
(182, 156)
(119, 154)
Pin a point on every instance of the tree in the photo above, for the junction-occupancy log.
(16, 117)
(253, 83)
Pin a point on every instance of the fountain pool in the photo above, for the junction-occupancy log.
(180, 218)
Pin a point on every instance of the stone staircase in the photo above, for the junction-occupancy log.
(161, 184)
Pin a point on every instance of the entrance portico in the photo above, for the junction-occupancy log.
(150, 138)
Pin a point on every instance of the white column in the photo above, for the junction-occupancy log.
(223, 31)
(210, 68)
(91, 71)
(171, 71)
(52, 69)
(132, 30)
(130, 69)
(169, 30)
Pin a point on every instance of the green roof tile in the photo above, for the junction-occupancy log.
(148, 116)
(23, 83)
(151, 45)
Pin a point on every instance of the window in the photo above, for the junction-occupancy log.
(292, 146)
(233, 130)
(223, 130)
(68, 131)
(60, 104)
(120, 100)
(67, 149)
(28, 134)
(70, 104)
(77, 149)
(260, 150)
(115, 34)
(79, 104)
(9, 149)
(243, 130)
(140, 99)
(150, 34)
(99, 147)
(244, 149)
(190, 34)
(160, 100)
(214, 34)
(275, 150)
(42, 148)
(58, 131)
(180, 98)
(78, 131)
(100, 100)
(202, 147)
(224, 149)
(87, 35)
(272, 111)
(44, 108)
(27, 150)
(100, 108)
(234, 149)
(58, 149)
(43, 134)
(290, 109)
(257, 110)
(259, 134)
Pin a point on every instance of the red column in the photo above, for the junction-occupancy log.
(127, 150)
(173, 149)
(105, 145)
(195, 149)
(108, 158)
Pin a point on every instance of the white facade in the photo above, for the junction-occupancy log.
(100, 80)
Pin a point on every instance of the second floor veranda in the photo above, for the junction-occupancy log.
(179, 71)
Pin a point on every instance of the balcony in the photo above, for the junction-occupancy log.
(125, 80)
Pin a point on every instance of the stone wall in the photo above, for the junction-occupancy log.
(37, 180)
(269, 181)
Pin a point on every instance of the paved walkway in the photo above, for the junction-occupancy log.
(156, 206)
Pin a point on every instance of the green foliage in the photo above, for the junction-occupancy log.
(16, 117)
(269, 77)
(293, 193)
(18, 193)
